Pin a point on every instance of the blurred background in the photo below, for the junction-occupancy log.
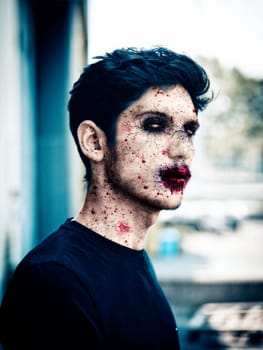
(208, 254)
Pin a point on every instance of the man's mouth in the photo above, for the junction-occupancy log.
(175, 178)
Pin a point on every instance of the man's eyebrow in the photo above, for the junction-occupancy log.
(154, 113)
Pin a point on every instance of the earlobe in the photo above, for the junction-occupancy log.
(91, 140)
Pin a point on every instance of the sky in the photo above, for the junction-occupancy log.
(228, 30)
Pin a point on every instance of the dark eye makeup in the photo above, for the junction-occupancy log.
(155, 123)
(159, 123)
(191, 127)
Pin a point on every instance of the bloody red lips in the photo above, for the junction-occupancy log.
(175, 178)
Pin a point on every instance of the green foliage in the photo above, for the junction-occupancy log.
(248, 94)
(234, 120)
(245, 96)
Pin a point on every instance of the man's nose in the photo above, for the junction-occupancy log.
(181, 149)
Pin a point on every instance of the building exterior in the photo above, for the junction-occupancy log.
(43, 48)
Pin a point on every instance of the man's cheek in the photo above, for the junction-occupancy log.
(125, 128)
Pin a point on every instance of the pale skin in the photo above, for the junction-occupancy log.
(126, 191)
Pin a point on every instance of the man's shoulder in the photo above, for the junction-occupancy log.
(59, 250)
(51, 260)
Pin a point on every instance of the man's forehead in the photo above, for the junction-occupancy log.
(172, 100)
(174, 93)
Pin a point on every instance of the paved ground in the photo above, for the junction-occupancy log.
(220, 267)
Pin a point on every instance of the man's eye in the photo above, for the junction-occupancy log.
(190, 132)
(191, 128)
(155, 124)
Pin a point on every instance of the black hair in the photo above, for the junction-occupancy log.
(117, 79)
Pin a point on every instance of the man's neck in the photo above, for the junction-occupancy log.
(117, 218)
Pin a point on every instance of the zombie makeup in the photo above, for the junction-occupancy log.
(147, 169)
(123, 227)
(154, 149)
(157, 123)
(175, 178)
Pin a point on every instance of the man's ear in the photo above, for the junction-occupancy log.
(92, 140)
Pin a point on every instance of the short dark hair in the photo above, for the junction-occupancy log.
(117, 79)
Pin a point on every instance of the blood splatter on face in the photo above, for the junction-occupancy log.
(158, 135)
(126, 127)
(175, 179)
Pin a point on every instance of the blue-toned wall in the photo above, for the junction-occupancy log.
(36, 179)
(52, 33)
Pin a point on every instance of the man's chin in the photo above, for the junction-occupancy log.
(172, 201)
(172, 207)
(168, 204)
(164, 202)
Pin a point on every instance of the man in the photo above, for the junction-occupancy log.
(90, 285)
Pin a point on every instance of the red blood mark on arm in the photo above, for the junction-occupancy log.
(164, 151)
(123, 227)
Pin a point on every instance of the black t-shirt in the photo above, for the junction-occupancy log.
(79, 290)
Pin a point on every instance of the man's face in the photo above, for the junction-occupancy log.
(154, 148)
